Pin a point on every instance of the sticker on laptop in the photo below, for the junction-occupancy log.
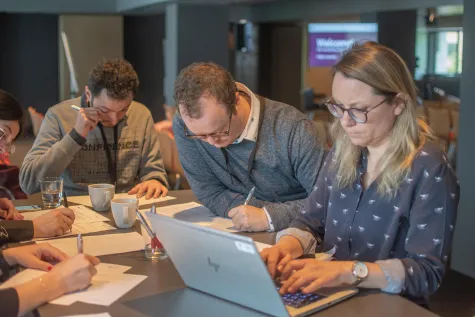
(244, 247)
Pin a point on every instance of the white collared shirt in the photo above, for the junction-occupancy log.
(251, 130)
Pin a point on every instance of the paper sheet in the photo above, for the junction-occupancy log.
(82, 214)
(101, 245)
(30, 274)
(105, 289)
(22, 277)
(93, 315)
(82, 228)
(108, 268)
(261, 246)
(198, 214)
(86, 201)
(107, 286)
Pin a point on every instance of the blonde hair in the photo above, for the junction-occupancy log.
(384, 70)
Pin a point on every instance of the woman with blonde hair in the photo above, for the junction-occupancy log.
(385, 200)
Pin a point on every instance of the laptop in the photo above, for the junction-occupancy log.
(229, 266)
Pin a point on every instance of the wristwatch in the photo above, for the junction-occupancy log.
(360, 272)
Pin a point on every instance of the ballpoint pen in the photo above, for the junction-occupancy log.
(155, 243)
(248, 199)
(66, 204)
(65, 200)
(80, 244)
(79, 108)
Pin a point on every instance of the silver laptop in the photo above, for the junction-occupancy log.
(229, 266)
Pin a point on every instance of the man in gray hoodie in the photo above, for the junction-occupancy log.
(102, 137)
(231, 140)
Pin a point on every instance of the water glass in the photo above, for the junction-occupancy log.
(155, 254)
(51, 191)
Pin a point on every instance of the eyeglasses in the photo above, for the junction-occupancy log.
(360, 116)
(190, 135)
(6, 145)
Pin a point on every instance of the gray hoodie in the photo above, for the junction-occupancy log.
(58, 151)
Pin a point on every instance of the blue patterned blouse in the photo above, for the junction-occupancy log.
(408, 235)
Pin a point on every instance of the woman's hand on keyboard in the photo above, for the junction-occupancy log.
(279, 255)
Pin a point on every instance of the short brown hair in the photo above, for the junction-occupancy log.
(116, 76)
(204, 79)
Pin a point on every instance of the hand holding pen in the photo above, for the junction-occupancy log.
(87, 120)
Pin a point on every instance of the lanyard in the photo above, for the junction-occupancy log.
(111, 162)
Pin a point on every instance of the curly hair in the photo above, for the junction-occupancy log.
(116, 76)
(204, 79)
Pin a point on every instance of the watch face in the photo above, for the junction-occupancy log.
(361, 270)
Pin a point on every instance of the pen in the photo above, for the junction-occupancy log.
(155, 243)
(80, 244)
(79, 108)
(65, 203)
(251, 192)
(65, 200)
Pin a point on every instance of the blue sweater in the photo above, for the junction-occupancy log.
(284, 170)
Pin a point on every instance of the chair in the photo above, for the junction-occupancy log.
(171, 161)
(36, 120)
(309, 104)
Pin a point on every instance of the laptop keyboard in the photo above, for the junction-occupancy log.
(299, 299)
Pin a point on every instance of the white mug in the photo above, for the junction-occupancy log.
(123, 211)
(101, 196)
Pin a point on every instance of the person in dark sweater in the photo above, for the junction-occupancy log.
(12, 226)
(385, 202)
(231, 140)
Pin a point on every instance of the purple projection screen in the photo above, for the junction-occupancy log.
(327, 41)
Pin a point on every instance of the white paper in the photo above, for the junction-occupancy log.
(30, 274)
(86, 215)
(82, 214)
(22, 277)
(197, 214)
(101, 245)
(104, 290)
(86, 201)
(325, 256)
(90, 315)
(83, 228)
(261, 246)
(34, 214)
(107, 286)
(109, 268)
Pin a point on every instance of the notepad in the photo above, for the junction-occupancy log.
(101, 245)
(86, 201)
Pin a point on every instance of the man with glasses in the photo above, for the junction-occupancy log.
(231, 140)
(102, 137)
